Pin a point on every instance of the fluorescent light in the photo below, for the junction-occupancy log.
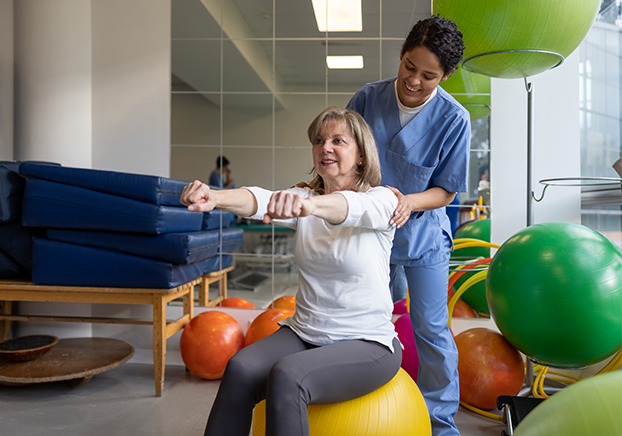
(344, 62)
(342, 15)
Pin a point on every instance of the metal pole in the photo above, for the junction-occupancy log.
(529, 88)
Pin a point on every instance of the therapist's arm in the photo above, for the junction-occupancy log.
(283, 204)
(430, 199)
(200, 198)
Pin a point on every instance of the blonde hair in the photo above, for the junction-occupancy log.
(368, 173)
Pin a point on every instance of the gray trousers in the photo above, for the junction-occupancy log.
(290, 374)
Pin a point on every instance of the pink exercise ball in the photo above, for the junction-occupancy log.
(400, 308)
(410, 357)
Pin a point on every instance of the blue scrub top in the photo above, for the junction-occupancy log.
(431, 150)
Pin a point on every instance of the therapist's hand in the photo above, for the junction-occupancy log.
(198, 197)
(285, 205)
(403, 209)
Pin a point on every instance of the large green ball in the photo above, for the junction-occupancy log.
(555, 292)
(490, 26)
(470, 90)
(591, 407)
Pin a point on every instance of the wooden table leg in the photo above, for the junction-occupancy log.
(5, 325)
(159, 342)
(222, 286)
(189, 304)
(204, 292)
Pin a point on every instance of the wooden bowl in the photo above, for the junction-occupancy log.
(27, 347)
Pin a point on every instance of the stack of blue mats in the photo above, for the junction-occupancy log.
(15, 239)
(111, 229)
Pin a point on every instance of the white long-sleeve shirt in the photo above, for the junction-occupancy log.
(343, 270)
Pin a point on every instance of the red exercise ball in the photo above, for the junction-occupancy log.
(410, 356)
(236, 302)
(208, 342)
(489, 366)
(265, 324)
(287, 302)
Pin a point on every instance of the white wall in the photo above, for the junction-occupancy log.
(556, 149)
(92, 83)
(131, 85)
(6, 79)
(92, 90)
(53, 81)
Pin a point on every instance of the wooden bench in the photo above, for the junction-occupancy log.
(24, 290)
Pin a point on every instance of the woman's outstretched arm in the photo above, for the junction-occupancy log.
(200, 198)
(284, 204)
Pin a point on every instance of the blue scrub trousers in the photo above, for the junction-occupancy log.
(438, 356)
(398, 283)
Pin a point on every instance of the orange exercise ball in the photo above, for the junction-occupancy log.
(286, 302)
(463, 310)
(236, 302)
(488, 366)
(208, 342)
(265, 324)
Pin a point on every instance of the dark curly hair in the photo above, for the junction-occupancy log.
(439, 35)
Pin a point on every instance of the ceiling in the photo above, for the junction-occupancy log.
(274, 46)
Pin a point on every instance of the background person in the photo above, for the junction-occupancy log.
(423, 137)
(340, 344)
(221, 176)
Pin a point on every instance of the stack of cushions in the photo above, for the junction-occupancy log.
(15, 239)
(111, 229)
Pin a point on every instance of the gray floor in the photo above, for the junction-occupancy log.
(121, 402)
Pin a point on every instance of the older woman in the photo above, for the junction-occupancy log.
(340, 344)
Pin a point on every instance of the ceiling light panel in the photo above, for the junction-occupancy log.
(338, 15)
(344, 62)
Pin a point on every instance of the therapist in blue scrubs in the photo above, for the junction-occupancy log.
(423, 138)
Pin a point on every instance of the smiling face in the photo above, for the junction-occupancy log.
(419, 73)
(336, 156)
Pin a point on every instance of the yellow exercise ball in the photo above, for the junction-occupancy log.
(395, 409)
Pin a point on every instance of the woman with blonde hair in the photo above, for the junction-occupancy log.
(340, 344)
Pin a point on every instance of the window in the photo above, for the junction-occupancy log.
(600, 70)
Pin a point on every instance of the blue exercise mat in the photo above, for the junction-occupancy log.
(9, 268)
(12, 186)
(216, 219)
(150, 189)
(217, 263)
(16, 242)
(61, 264)
(178, 248)
(56, 205)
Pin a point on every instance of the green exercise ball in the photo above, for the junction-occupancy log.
(591, 407)
(478, 229)
(470, 90)
(490, 26)
(475, 296)
(555, 292)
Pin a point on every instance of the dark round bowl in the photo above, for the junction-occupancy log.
(27, 347)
